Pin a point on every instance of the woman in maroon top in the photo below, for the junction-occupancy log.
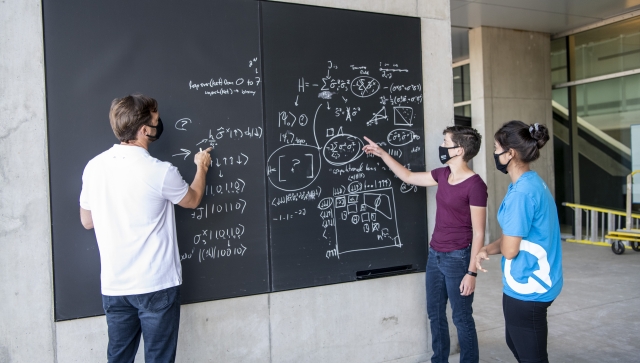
(461, 202)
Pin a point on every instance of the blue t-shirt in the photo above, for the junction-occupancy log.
(529, 211)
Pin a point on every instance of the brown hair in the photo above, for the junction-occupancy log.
(466, 137)
(128, 114)
(527, 140)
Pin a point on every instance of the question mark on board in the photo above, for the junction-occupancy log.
(295, 162)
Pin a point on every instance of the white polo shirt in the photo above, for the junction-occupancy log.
(131, 195)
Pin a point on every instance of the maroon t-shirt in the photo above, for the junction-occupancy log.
(453, 229)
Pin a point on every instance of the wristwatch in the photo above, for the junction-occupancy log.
(474, 274)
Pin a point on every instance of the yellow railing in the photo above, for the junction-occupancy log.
(603, 210)
(599, 222)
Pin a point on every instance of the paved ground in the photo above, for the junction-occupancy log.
(596, 318)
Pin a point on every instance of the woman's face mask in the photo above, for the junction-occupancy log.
(444, 153)
(499, 165)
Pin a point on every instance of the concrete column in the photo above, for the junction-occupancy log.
(438, 94)
(510, 80)
(26, 287)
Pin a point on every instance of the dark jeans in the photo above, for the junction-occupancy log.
(526, 329)
(155, 315)
(445, 271)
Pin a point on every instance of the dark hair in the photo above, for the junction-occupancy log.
(527, 140)
(129, 113)
(466, 137)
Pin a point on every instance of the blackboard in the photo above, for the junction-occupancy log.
(332, 77)
(201, 61)
(247, 78)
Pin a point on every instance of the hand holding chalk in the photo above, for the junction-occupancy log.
(202, 159)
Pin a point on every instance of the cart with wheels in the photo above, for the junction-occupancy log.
(629, 234)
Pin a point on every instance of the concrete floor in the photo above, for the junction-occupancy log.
(596, 318)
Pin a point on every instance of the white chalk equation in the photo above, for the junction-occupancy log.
(365, 86)
(213, 252)
(401, 137)
(319, 141)
(249, 84)
(231, 187)
(219, 208)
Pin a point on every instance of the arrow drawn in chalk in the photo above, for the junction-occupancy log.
(328, 108)
(345, 100)
(185, 153)
(296, 103)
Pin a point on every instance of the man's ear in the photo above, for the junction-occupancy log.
(142, 131)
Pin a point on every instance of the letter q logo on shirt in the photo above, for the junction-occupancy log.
(532, 285)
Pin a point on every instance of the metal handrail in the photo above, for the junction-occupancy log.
(597, 209)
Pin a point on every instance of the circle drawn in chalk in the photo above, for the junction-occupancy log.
(342, 149)
(532, 286)
(401, 137)
(293, 167)
(364, 86)
(180, 124)
(325, 203)
(406, 188)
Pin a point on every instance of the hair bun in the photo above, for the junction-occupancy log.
(540, 133)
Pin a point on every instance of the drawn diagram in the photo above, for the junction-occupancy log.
(402, 115)
(380, 115)
(293, 167)
(364, 86)
(372, 212)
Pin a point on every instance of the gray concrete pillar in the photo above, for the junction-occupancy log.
(510, 80)
(26, 283)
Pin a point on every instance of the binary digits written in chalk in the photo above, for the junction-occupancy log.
(225, 194)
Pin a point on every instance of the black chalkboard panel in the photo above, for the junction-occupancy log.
(201, 61)
(332, 77)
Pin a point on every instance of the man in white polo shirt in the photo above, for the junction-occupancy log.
(127, 197)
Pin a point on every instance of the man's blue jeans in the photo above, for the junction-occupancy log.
(445, 271)
(155, 315)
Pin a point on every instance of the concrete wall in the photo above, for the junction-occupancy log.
(369, 321)
(510, 80)
(27, 331)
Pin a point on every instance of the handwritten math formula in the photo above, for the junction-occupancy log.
(317, 163)
(218, 228)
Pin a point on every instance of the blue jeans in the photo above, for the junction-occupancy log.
(445, 271)
(156, 315)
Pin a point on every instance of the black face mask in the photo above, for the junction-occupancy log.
(159, 128)
(444, 153)
(500, 166)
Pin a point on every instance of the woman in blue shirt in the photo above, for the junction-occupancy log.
(530, 242)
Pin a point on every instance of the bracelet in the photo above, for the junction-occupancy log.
(474, 274)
